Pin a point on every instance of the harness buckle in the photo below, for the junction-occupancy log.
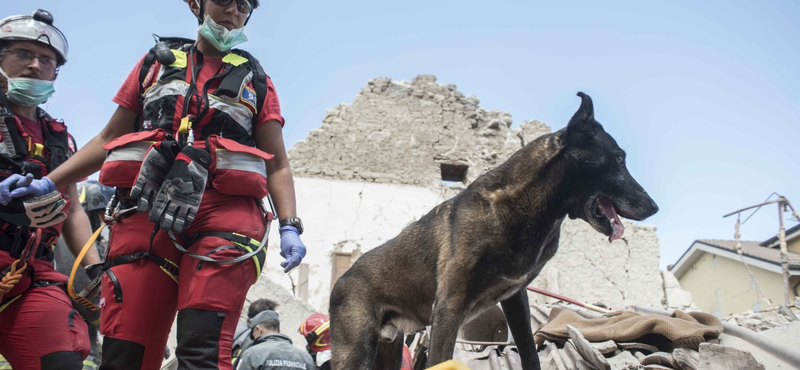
(113, 213)
(139, 255)
(186, 124)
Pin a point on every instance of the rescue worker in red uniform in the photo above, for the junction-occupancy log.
(38, 327)
(189, 148)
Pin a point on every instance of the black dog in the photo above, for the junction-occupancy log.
(483, 246)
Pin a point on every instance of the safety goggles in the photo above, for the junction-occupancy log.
(27, 57)
(244, 6)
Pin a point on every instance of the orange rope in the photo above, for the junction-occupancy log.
(12, 278)
(14, 275)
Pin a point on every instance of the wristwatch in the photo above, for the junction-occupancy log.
(293, 221)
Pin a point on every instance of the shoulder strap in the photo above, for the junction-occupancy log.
(259, 80)
(20, 146)
(160, 52)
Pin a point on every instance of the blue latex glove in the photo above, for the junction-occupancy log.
(22, 186)
(6, 186)
(292, 248)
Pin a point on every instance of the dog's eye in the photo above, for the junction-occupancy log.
(620, 159)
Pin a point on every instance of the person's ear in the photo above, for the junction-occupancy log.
(195, 6)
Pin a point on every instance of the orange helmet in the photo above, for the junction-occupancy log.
(315, 329)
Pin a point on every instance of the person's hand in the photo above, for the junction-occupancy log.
(7, 185)
(24, 185)
(292, 248)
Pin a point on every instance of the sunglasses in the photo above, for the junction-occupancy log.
(244, 6)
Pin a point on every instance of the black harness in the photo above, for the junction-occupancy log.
(231, 81)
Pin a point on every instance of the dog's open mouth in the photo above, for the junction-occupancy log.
(605, 209)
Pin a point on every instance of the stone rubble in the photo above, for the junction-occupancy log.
(647, 353)
(717, 357)
(758, 321)
(402, 132)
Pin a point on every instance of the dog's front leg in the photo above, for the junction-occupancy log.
(518, 314)
(448, 313)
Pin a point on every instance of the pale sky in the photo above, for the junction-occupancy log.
(703, 95)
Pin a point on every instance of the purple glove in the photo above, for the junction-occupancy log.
(6, 186)
(22, 186)
(292, 248)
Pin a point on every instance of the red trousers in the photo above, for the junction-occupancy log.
(137, 314)
(40, 330)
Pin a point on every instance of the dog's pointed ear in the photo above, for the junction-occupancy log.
(585, 112)
(582, 121)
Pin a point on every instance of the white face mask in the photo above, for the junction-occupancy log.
(219, 36)
(26, 91)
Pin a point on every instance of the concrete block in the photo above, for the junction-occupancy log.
(718, 357)
(624, 361)
(592, 357)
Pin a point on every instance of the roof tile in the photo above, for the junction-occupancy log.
(753, 249)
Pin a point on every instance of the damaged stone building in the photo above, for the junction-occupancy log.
(399, 149)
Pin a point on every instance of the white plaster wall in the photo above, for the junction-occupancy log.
(589, 268)
(350, 214)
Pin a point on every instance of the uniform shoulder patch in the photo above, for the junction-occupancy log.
(249, 97)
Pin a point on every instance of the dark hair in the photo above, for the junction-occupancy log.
(271, 325)
(259, 305)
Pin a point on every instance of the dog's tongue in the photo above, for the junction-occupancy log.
(608, 210)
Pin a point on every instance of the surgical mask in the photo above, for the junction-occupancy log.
(26, 91)
(219, 36)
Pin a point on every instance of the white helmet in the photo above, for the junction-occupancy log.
(35, 27)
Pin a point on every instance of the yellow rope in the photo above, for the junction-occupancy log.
(70, 290)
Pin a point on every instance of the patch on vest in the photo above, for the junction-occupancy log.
(249, 96)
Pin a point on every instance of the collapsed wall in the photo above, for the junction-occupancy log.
(405, 133)
(398, 150)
